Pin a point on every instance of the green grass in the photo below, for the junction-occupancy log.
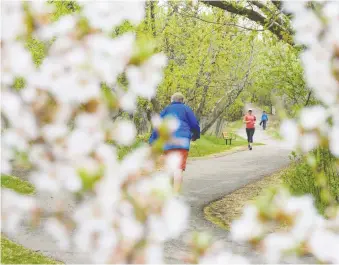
(301, 179)
(12, 253)
(208, 145)
(273, 129)
(17, 184)
(204, 146)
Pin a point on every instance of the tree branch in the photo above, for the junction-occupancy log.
(232, 7)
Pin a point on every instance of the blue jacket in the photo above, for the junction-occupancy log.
(264, 117)
(188, 126)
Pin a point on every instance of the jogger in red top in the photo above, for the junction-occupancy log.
(250, 120)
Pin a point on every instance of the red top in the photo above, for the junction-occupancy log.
(250, 121)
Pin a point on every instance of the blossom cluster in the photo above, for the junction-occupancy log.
(318, 31)
(279, 224)
(60, 124)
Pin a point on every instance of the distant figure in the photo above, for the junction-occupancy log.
(250, 120)
(188, 130)
(264, 119)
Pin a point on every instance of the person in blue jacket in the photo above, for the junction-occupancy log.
(188, 130)
(264, 119)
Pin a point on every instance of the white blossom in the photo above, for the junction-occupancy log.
(154, 254)
(223, 258)
(309, 141)
(125, 132)
(289, 131)
(324, 245)
(59, 232)
(107, 15)
(313, 117)
(144, 79)
(248, 226)
(15, 208)
(276, 244)
(12, 20)
(176, 215)
(61, 27)
(127, 102)
(334, 140)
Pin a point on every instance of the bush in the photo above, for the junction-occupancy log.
(301, 179)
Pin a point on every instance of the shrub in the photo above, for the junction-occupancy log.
(301, 178)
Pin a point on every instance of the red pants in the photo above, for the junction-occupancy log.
(183, 154)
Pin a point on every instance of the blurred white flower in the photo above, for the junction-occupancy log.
(12, 54)
(12, 20)
(289, 131)
(334, 140)
(46, 181)
(223, 258)
(10, 105)
(276, 244)
(307, 26)
(107, 15)
(80, 142)
(173, 162)
(313, 117)
(162, 182)
(154, 254)
(52, 132)
(143, 80)
(172, 123)
(127, 102)
(248, 226)
(156, 121)
(131, 229)
(176, 215)
(63, 26)
(14, 209)
(59, 232)
(318, 75)
(134, 161)
(294, 6)
(11, 138)
(324, 245)
(41, 7)
(110, 56)
(309, 141)
(125, 132)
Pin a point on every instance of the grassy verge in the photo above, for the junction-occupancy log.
(229, 208)
(206, 145)
(273, 129)
(301, 179)
(12, 253)
(17, 184)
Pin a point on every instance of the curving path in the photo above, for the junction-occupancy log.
(205, 180)
(210, 179)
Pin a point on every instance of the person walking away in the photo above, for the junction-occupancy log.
(264, 119)
(188, 130)
(249, 120)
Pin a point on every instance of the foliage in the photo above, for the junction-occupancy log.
(300, 178)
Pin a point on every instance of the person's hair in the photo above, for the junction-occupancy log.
(177, 97)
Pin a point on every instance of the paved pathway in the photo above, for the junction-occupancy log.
(205, 180)
(210, 179)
